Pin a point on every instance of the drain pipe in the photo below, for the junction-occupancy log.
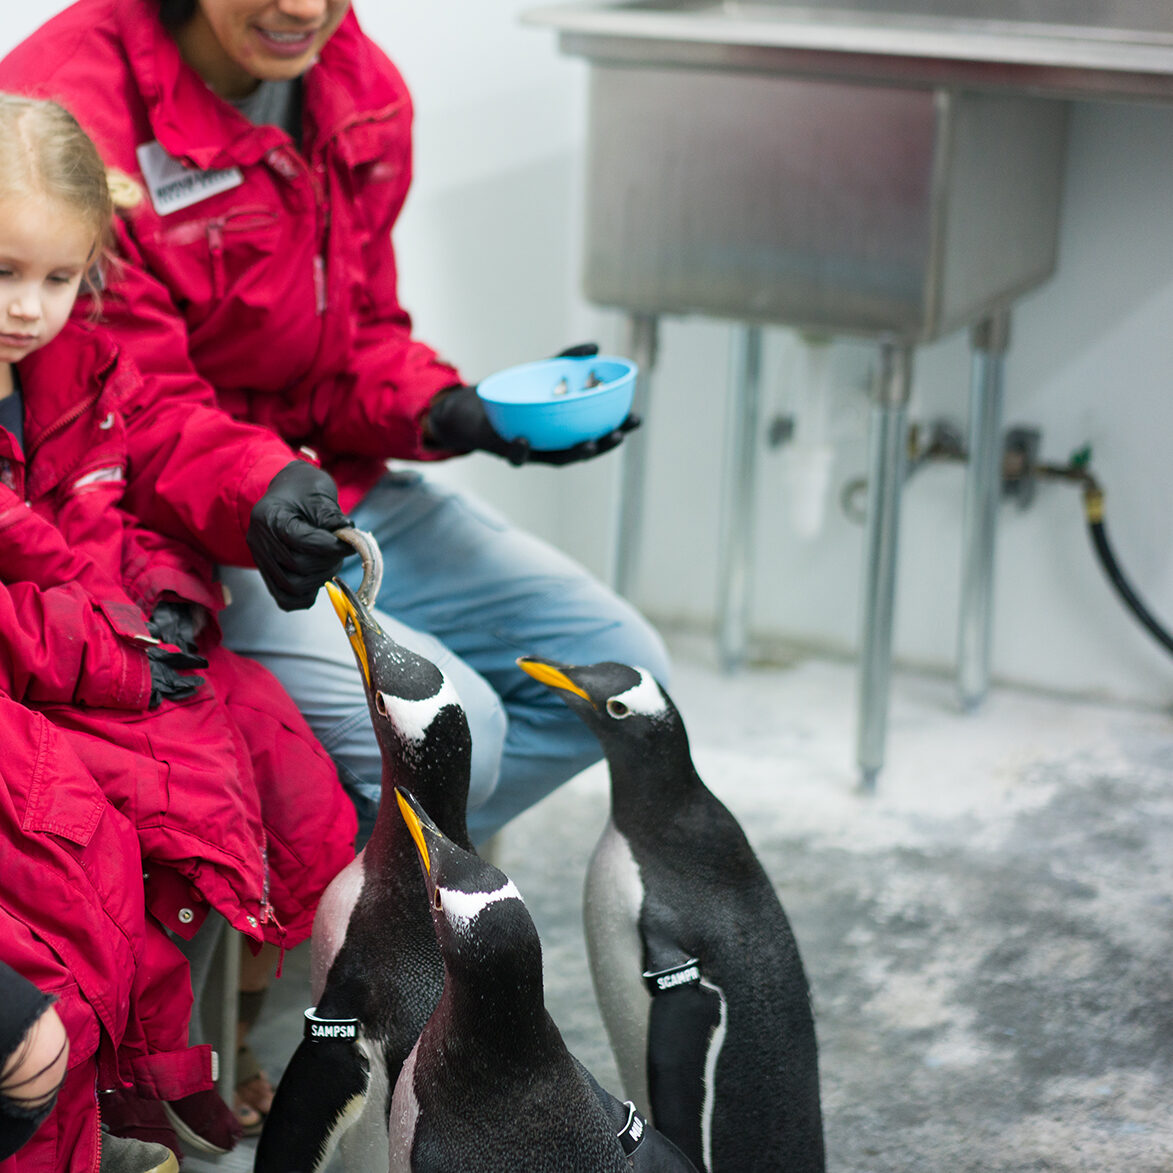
(1019, 474)
(1093, 509)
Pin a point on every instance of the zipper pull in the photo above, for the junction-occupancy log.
(216, 248)
(320, 283)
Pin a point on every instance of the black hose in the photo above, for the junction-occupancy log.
(1093, 501)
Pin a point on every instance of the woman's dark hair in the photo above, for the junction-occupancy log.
(176, 13)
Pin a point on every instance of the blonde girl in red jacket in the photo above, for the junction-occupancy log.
(233, 805)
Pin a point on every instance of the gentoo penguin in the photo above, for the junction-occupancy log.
(376, 970)
(490, 1085)
(695, 967)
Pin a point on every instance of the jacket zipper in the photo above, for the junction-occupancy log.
(79, 409)
(216, 248)
(321, 282)
(75, 413)
(69, 417)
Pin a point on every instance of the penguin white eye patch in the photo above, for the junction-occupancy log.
(462, 908)
(644, 698)
(412, 718)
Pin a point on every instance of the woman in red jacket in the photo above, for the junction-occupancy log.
(274, 141)
(235, 805)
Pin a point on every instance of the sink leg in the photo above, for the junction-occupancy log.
(735, 560)
(886, 470)
(983, 490)
(641, 345)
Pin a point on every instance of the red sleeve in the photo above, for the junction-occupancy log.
(67, 634)
(193, 471)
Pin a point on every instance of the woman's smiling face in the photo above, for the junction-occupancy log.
(233, 44)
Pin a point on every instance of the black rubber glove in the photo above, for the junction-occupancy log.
(166, 682)
(173, 622)
(458, 422)
(291, 534)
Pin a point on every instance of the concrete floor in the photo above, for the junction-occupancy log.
(988, 939)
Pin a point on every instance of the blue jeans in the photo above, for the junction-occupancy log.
(470, 592)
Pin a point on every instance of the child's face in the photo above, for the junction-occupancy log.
(45, 250)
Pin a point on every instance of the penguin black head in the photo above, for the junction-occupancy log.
(617, 701)
(634, 719)
(482, 924)
(418, 719)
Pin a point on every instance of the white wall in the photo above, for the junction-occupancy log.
(488, 249)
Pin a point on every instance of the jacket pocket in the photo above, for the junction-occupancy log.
(63, 798)
(210, 257)
(237, 243)
(116, 749)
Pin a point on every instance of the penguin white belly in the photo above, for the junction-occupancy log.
(405, 1112)
(332, 920)
(612, 899)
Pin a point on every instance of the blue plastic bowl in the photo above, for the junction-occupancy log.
(559, 402)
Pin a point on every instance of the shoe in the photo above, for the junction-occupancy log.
(204, 1122)
(134, 1117)
(123, 1154)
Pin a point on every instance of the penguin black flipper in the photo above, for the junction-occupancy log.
(320, 1095)
(648, 1151)
(685, 1032)
(683, 1028)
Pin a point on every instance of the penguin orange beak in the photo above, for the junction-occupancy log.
(414, 826)
(551, 676)
(346, 607)
(420, 825)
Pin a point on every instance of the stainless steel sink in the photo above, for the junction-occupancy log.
(890, 168)
(837, 207)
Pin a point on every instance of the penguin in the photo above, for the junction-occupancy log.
(490, 1085)
(376, 969)
(695, 967)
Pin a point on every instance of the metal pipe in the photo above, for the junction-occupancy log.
(735, 560)
(229, 1012)
(641, 346)
(885, 478)
(983, 490)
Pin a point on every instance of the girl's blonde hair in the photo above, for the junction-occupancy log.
(45, 152)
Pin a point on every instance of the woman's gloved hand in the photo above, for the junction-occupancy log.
(291, 534)
(457, 421)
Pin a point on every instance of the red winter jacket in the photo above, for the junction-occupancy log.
(234, 801)
(72, 922)
(278, 279)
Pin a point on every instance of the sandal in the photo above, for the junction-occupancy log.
(254, 1092)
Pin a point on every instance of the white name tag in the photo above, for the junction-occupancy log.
(174, 186)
